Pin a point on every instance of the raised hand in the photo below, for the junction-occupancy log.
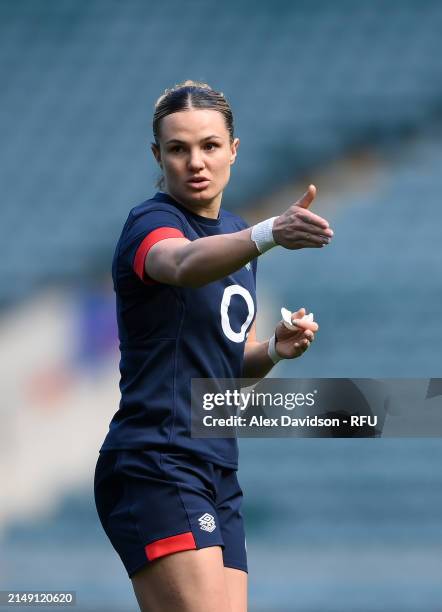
(299, 228)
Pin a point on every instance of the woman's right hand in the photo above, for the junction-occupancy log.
(299, 228)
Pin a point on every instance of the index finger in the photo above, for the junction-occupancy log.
(308, 217)
(305, 325)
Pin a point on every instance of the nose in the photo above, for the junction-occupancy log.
(196, 161)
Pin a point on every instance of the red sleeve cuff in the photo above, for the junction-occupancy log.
(152, 238)
(172, 544)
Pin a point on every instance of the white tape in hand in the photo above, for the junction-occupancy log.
(287, 318)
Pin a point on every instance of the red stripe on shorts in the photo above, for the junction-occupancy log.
(173, 544)
(152, 238)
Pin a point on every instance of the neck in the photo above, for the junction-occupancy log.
(204, 208)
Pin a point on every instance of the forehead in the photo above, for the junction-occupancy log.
(193, 124)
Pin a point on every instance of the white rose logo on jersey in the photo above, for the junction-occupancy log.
(207, 522)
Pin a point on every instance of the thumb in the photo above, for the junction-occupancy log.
(298, 314)
(307, 198)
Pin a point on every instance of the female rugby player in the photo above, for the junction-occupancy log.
(184, 275)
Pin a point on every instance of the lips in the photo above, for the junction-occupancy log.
(197, 179)
(198, 182)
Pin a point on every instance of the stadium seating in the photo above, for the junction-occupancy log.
(309, 83)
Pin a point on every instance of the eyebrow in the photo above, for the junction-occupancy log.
(202, 139)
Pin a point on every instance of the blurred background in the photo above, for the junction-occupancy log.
(344, 94)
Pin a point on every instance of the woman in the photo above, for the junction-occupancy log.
(184, 274)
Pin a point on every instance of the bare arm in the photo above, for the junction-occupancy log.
(178, 261)
(181, 262)
(256, 363)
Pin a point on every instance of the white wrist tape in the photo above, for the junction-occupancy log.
(262, 235)
(271, 351)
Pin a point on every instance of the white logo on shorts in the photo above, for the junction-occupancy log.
(207, 522)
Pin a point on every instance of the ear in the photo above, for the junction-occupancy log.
(234, 150)
(156, 153)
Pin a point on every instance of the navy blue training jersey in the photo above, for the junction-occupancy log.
(169, 335)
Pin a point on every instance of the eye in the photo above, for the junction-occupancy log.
(176, 149)
(210, 146)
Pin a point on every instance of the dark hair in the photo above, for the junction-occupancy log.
(187, 95)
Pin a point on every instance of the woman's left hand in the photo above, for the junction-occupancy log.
(293, 343)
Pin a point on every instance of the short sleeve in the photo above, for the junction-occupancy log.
(143, 232)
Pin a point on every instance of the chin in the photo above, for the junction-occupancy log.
(201, 196)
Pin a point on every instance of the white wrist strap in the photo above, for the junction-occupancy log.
(271, 351)
(262, 235)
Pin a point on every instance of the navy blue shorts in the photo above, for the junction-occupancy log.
(152, 504)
